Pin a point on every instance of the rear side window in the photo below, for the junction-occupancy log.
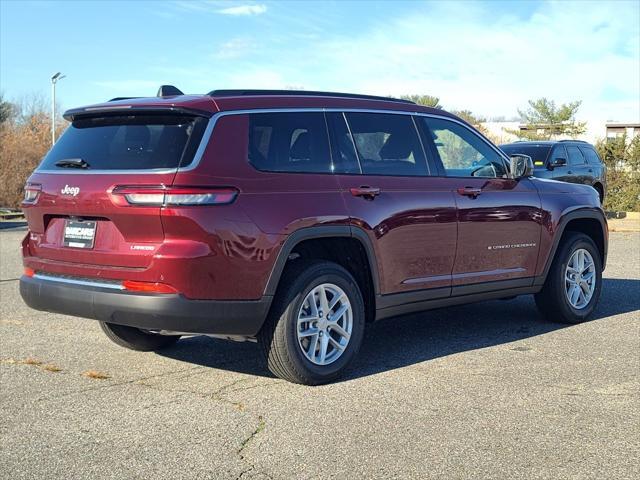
(129, 142)
(590, 155)
(387, 144)
(575, 157)
(342, 147)
(289, 142)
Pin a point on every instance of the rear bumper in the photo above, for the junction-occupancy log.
(152, 312)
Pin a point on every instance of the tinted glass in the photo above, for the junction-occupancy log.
(462, 152)
(343, 151)
(129, 142)
(559, 152)
(387, 144)
(538, 153)
(289, 142)
(590, 155)
(575, 157)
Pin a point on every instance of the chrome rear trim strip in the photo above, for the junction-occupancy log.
(84, 283)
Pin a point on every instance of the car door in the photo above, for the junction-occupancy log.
(576, 170)
(389, 193)
(499, 218)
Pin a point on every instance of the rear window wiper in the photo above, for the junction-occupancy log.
(72, 163)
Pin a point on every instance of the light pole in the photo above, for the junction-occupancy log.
(54, 79)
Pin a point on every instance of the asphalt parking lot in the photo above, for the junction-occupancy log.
(481, 391)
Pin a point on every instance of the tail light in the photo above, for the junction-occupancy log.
(29, 272)
(162, 196)
(148, 287)
(31, 192)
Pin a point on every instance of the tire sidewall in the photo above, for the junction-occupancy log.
(340, 277)
(568, 311)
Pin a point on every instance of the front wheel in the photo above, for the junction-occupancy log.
(137, 339)
(316, 324)
(574, 282)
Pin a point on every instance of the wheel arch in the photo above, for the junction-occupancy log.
(310, 235)
(591, 222)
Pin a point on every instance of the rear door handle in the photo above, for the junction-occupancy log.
(366, 192)
(469, 191)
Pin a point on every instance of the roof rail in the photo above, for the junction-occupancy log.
(579, 141)
(115, 99)
(301, 93)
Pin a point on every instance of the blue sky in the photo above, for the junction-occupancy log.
(489, 57)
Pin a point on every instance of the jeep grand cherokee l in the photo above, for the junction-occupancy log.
(294, 219)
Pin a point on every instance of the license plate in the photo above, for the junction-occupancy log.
(79, 234)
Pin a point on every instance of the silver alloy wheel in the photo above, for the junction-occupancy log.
(324, 325)
(580, 278)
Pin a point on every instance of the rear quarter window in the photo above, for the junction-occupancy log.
(289, 142)
(129, 142)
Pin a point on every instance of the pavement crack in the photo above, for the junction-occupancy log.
(245, 443)
(9, 280)
(114, 384)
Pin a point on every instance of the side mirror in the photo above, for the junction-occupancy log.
(557, 162)
(521, 166)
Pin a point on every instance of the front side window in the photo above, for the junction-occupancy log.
(538, 153)
(387, 144)
(575, 157)
(558, 152)
(463, 153)
(289, 142)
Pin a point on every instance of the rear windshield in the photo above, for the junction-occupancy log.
(538, 153)
(129, 142)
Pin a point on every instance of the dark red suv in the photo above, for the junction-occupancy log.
(293, 219)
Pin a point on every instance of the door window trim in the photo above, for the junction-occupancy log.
(206, 137)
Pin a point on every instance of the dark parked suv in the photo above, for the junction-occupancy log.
(572, 161)
(294, 219)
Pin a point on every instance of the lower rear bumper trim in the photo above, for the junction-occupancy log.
(148, 311)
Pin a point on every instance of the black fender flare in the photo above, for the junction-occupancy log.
(578, 214)
(324, 231)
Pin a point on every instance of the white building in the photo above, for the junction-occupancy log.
(596, 130)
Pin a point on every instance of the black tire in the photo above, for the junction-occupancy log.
(136, 339)
(552, 300)
(600, 191)
(278, 337)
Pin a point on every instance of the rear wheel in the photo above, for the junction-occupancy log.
(316, 324)
(137, 339)
(574, 282)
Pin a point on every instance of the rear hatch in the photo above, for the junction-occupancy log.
(92, 200)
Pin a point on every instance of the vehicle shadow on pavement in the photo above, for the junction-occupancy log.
(411, 339)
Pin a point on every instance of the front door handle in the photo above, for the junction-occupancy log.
(469, 191)
(366, 192)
